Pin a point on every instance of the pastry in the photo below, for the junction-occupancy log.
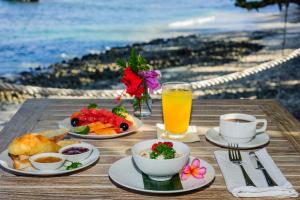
(27, 145)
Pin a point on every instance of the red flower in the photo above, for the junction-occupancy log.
(133, 83)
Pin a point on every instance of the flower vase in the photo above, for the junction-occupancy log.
(142, 107)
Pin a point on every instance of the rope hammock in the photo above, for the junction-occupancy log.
(47, 91)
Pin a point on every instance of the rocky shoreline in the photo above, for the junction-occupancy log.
(96, 71)
(187, 58)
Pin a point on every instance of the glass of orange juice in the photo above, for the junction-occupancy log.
(176, 106)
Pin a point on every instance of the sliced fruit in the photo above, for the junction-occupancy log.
(83, 130)
(88, 116)
(98, 126)
(106, 131)
(74, 122)
(124, 126)
(75, 115)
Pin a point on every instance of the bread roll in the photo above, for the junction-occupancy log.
(55, 135)
(20, 162)
(64, 143)
(31, 144)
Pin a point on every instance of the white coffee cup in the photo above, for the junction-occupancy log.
(240, 128)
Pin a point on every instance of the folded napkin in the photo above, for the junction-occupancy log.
(235, 181)
(191, 134)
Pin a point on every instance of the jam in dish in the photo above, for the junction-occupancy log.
(75, 150)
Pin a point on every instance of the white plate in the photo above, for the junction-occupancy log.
(215, 137)
(124, 173)
(66, 123)
(7, 163)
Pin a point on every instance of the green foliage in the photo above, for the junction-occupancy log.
(142, 66)
(136, 103)
(133, 60)
(136, 62)
(120, 111)
(92, 105)
(164, 150)
(121, 62)
(153, 155)
(263, 3)
(74, 165)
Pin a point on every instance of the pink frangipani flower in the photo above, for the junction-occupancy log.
(194, 169)
(152, 79)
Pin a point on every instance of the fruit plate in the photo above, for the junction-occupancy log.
(66, 123)
(7, 164)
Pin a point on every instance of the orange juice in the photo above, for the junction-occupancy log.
(176, 105)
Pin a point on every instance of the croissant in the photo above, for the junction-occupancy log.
(31, 144)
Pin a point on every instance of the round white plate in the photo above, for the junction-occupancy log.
(124, 173)
(215, 137)
(66, 123)
(7, 163)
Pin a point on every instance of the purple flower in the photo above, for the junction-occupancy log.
(151, 77)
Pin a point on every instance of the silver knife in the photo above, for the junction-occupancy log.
(269, 179)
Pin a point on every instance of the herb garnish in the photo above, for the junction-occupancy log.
(163, 148)
(92, 105)
(74, 165)
(120, 111)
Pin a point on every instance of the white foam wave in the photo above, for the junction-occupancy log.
(94, 51)
(191, 23)
(66, 56)
(30, 64)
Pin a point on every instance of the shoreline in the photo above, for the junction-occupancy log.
(189, 58)
(94, 71)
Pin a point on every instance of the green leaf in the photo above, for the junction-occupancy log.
(133, 60)
(120, 111)
(136, 103)
(121, 62)
(164, 150)
(141, 60)
(92, 105)
(153, 155)
(74, 165)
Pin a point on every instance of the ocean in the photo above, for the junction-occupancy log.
(38, 34)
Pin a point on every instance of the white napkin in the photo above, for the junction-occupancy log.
(190, 136)
(235, 182)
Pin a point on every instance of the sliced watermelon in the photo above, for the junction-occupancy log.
(87, 116)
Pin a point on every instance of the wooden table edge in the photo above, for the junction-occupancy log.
(287, 123)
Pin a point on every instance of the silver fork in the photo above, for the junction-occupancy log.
(236, 158)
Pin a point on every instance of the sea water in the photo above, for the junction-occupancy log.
(38, 34)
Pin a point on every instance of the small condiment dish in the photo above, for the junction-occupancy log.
(47, 161)
(72, 152)
(156, 169)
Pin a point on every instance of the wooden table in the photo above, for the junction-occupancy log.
(94, 182)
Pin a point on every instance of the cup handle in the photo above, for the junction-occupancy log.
(264, 127)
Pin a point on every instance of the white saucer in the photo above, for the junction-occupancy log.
(124, 173)
(213, 135)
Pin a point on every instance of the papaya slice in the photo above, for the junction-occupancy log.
(75, 115)
(98, 126)
(105, 131)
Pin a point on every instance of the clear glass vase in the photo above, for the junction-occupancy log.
(142, 107)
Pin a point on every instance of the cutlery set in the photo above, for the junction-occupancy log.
(236, 158)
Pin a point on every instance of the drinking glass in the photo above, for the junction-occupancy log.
(176, 106)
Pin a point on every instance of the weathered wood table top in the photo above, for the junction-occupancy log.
(94, 183)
